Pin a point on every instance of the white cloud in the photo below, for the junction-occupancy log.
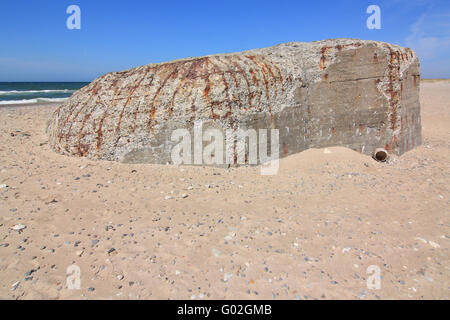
(430, 35)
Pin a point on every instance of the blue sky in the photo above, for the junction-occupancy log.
(115, 35)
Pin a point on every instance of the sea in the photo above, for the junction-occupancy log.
(37, 92)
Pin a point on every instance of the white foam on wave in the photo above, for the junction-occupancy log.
(36, 91)
(29, 101)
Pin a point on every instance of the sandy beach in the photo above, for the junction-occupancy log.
(164, 232)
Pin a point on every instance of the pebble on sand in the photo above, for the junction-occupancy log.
(19, 227)
(15, 285)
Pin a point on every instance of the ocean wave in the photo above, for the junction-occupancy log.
(18, 92)
(30, 101)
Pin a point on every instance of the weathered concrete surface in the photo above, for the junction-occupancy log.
(341, 92)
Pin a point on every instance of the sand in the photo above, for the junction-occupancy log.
(309, 232)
